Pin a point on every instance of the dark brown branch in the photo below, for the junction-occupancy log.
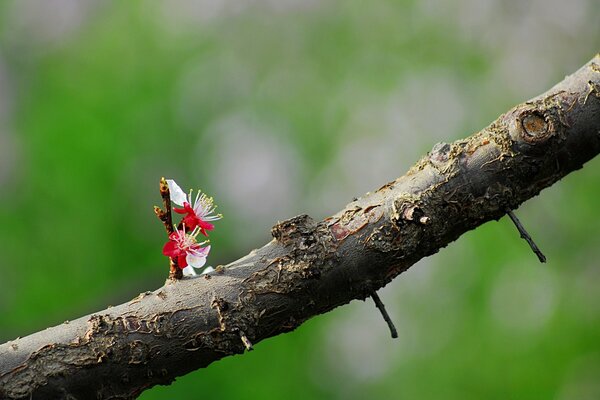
(386, 317)
(311, 267)
(526, 236)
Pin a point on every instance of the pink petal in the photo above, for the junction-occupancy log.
(197, 256)
(190, 221)
(205, 226)
(201, 251)
(181, 261)
(170, 249)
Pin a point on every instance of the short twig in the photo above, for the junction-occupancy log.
(166, 198)
(165, 215)
(246, 341)
(384, 314)
(526, 236)
(167, 219)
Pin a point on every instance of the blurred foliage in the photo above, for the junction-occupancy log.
(276, 109)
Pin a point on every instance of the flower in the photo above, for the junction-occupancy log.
(184, 248)
(197, 215)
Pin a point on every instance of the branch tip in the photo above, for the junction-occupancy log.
(384, 314)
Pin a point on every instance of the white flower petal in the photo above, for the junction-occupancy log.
(196, 260)
(189, 271)
(207, 270)
(177, 195)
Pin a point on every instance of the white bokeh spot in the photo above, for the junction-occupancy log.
(523, 298)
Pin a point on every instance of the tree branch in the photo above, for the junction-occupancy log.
(311, 267)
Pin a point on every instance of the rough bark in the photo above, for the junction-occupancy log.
(312, 267)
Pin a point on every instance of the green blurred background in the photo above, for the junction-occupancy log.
(282, 107)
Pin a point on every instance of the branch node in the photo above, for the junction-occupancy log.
(526, 236)
(384, 314)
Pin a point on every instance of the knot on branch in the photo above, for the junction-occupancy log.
(406, 210)
(534, 124)
(299, 230)
(310, 247)
(534, 127)
(408, 228)
(440, 155)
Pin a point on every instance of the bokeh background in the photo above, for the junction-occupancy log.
(283, 107)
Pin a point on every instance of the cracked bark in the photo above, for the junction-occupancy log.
(312, 267)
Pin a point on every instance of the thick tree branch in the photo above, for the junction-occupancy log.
(312, 267)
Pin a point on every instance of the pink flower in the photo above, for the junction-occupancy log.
(184, 248)
(200, 214)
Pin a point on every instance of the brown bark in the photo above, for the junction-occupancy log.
(312, 267)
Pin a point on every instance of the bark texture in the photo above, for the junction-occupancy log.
(312, 267)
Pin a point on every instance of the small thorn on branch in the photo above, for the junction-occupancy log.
(526, 236)
(384, 314)
(246, 341)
